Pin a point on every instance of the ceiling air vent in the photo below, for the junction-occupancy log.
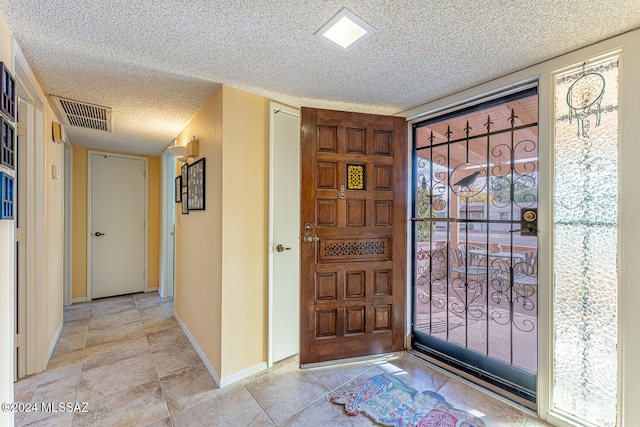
(84, 115)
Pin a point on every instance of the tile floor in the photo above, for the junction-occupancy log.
(129, 359)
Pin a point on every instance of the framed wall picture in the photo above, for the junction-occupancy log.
(185, 205)
(195, 185)
(7, 143)
(7, 92)
(178, 189)
(6, 196)
(183, 174)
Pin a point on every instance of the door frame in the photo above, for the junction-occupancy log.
(398, 247)
(275, 108)
(629, 346)
(68, 225)
(90, 153)
(167, 228)
(504, 378)
(35, 339)
(23, 264)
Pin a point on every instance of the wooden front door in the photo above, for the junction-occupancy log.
(353, 250)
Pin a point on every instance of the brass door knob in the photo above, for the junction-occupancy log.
(281, 248)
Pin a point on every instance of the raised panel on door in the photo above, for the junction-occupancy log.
(353, 212)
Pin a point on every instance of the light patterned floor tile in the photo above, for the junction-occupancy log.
(282, 394)
(235, 407)
(137, 406)
(188, 387)
(492, 411)
(335, 376)
(128, 357)
(117, 377)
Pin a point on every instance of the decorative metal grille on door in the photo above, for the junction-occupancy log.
(475, 245)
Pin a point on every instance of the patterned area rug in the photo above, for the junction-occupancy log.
(390, 402)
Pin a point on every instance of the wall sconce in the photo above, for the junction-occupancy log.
(56, 133)
(184, 152)
(179, 152)
(193, 147)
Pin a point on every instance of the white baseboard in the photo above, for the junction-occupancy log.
(77, 300)
(222, 382)
(195, 345)
(54, 342)
(243, 374)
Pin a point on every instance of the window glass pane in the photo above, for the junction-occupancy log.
(585, 242)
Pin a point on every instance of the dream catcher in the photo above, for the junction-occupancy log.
(584, 98)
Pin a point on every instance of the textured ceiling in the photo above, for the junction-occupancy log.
(155, 62)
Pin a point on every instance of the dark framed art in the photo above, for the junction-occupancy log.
(195, 185)
(178, 189)
(6, 196)
(7, 92)
(7, 143)
(183, 174)
(185, 205)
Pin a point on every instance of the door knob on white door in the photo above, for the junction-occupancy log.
(98, 234)
(281, 248)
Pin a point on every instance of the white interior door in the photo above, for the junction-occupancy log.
(168, 225)
(24, 141)
(285, 243)
(118, 225)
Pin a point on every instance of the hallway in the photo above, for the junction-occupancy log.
(129, 359)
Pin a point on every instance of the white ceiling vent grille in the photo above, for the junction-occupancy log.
(84, 115)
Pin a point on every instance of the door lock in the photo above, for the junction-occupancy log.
(281, 248)
(528, 222)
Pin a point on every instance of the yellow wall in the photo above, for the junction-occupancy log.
(221, 253)
(198, 240)
(79, 280)
(245, 230)
(154, 197)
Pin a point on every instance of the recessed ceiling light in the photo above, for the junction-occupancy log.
(345, 31)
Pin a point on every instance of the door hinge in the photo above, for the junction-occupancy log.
(144, 174)
(20, 235)
(19, 340)
(144, 274)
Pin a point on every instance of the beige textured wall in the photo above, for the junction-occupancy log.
(198, 239)
(221, 253)
(245, 230)
(79, 268)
